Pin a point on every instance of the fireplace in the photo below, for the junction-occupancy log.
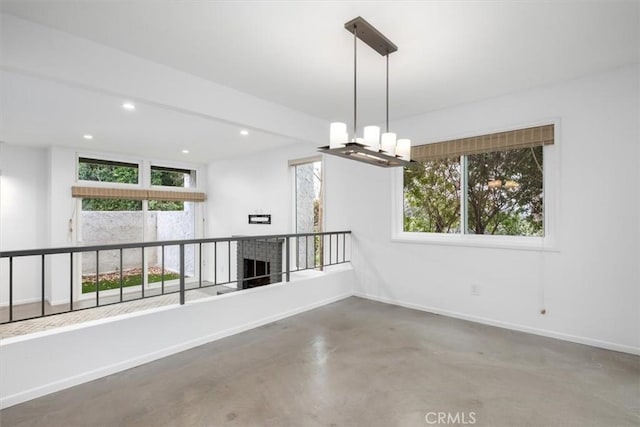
(255, 268)
(262, 257)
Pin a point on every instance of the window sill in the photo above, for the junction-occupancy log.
(538, 244)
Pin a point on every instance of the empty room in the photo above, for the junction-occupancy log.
(319, 213)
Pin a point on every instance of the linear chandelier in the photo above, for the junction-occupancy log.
(375, 149)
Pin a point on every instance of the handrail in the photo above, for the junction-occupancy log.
(274, 268)
(113, 246)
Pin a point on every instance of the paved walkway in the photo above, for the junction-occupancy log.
(49, 322)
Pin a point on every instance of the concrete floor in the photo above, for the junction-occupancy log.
(359, 363)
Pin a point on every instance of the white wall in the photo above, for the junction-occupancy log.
(23, 196)
(23, 221)
(35, 212)
(62, 209)
(61, 358)
(590, 287)
(257, 184)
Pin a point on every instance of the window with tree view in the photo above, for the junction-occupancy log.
(107, 171)
(494, 191)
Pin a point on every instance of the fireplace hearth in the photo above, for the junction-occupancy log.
(261, 257)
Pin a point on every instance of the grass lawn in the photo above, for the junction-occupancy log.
(127, 281)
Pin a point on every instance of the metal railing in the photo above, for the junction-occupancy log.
(322, 249)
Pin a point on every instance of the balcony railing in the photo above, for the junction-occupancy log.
(258, 261)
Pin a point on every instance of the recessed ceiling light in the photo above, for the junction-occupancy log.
(87, 136)
(244, 132)
(185, 151)
(129, 106)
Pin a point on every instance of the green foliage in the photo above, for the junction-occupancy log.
(111, 205)
(432, 197)
(127, 281)
(168, 179)
(512, 205)
(107, 173)
(128, 175)
(161, 205)
(501, 209)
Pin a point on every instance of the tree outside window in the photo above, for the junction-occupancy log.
(504, 194)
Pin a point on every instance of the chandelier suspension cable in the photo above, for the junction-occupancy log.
(387, 91)
(355, 82)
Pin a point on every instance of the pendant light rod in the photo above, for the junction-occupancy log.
(387, 92)
(355, 82)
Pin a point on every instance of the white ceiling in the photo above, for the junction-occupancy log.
(39, 112)
(299, 55)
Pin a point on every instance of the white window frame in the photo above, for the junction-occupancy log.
(194, 170)
(110, 158)
(144, 182)
(292, 177)
(551, 199)
(292, 185)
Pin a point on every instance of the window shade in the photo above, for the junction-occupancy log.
(175, 196)
(136, 194)
(510, 140)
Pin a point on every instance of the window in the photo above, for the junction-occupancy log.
(107, 171)
(308, 197)
(432, 197)
(504, 193)
(172, 177)
(488, 185)
(113, 213)
(308, 210)
(107, 221)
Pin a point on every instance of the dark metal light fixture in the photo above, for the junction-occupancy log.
(382, 151)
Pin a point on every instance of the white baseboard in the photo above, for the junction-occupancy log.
(507, 325)
(7, 401)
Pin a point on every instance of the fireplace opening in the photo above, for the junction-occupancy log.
(253, 268)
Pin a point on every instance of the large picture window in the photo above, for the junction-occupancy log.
(488, 185)
(160, 206)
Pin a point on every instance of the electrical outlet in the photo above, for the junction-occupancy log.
(475, 289)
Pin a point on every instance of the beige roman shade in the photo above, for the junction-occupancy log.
(136, 194)
(175, 196)
(510, 140)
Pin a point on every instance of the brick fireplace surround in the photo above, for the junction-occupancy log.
(265, 250)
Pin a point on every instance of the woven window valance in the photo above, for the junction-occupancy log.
(136, 194)
(510, 140)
